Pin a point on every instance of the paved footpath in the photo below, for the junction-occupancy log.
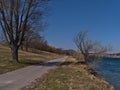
(17, 79)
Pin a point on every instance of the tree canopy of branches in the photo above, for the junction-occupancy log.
(15, 16)
(33, 40)
(88, 47)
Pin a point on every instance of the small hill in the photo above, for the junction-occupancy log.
(25, 58)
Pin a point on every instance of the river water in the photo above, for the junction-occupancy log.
(109, 70)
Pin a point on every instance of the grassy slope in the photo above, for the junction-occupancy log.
(71, 76)
(26, 58)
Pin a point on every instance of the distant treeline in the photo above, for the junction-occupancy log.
(37, 42)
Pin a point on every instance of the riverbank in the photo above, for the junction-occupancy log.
(95, 75)
(109, 69)
(71, 75)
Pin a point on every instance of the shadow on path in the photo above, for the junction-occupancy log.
(53, 63)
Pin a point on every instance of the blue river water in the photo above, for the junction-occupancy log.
(109, 70)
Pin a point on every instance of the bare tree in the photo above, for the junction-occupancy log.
(15, 15)
(31, 39)
(88, 47)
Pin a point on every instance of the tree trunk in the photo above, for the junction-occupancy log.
(86, 58)
(14, 51)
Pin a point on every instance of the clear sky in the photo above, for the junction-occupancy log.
(100, 17)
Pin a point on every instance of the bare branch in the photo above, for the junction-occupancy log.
(88, 47)
(15, 15)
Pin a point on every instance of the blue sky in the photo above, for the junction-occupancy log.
(100, 17)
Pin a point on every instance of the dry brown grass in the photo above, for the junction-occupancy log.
(72, 76)
(25, 58)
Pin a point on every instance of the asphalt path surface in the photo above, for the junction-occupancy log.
(20, 78)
